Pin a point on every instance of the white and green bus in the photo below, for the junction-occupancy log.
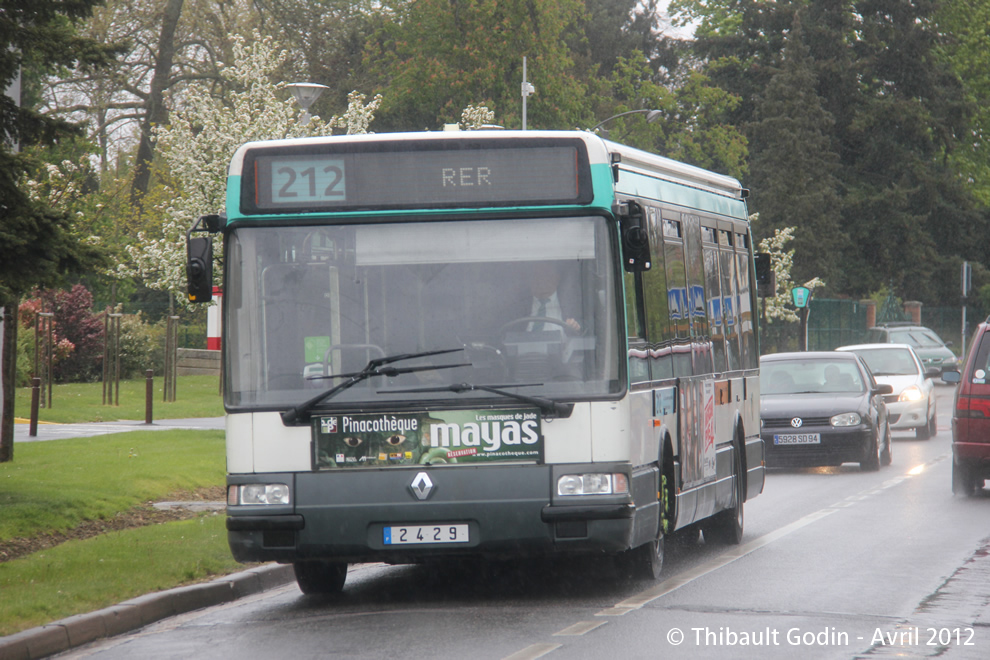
(492, 344)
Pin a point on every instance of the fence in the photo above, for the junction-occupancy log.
(833, 323)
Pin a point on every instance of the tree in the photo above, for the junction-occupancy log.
(156, 114)
(897, 111)
(693, 126)
(169, 45)
(35, 242)
(325, 40)
(778, 308)
(435, 57)
(198, 144)
(793, 167)
(965, 49)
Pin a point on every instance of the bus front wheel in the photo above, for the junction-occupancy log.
(320, 577)
(644, 562)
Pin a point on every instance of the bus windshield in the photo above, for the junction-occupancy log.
(526, 305)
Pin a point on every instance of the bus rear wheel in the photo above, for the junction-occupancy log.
(320, 577)
(727, 526)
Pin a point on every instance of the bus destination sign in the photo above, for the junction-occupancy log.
(296, 180)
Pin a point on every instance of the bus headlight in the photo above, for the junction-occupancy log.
(593, 484)
(257, 494)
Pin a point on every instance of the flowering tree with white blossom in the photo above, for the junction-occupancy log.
(358, 116)
(198, 144)
(779, 306)
(474, 118)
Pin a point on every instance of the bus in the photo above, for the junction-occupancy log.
(395, 391)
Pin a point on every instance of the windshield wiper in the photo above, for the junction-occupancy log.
(375, 367)
(548, 407)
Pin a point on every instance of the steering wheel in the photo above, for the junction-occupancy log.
(532, 319)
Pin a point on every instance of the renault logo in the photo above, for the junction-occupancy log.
(421, 486)
(797, 422)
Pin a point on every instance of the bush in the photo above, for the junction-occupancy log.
(142, 346)
(77, 322)
(79, 339)
(77, 332)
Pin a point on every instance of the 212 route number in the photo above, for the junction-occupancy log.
(308, 181)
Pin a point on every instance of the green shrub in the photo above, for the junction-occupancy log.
(142, 346)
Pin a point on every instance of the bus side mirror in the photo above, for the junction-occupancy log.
(199, 269)
(766, 279)
(635, 236)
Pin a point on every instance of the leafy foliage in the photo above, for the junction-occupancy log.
(40, 36)
(436, 58)
(794, 166)
(198, 146)
(896, 110)
(78, 332)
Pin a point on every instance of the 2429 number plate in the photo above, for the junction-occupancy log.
(418, 534)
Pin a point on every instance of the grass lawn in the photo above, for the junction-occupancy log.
(55, 486)
(196, 396)
(84, 576)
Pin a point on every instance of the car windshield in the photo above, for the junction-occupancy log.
(809, 377)
(916, 337)
(307, 304)
(889, 361)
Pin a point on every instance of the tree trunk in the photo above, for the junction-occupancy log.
(8, 375)
(156, 114)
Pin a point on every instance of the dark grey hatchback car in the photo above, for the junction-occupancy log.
(822, 408)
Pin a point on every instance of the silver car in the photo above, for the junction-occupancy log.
(930, 348)
(912, 404)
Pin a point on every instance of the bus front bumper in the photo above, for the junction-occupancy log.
(352, 515)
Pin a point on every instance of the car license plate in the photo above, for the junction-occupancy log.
(416, 534)
(798, 439)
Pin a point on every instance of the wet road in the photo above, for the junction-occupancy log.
(835, 563)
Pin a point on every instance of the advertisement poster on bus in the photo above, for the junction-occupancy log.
(708, 452)
(427, 438)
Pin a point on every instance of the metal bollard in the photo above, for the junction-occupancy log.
(149, 389)
(35, 402)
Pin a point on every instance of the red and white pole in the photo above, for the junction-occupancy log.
(213, 326)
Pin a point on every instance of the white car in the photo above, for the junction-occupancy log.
(912, 405)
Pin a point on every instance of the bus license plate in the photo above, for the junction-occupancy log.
(416, 534)
(798, 439)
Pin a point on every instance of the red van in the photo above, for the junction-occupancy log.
(971, 416)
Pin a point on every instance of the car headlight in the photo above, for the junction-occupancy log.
(845, 419)
(593, 484)
(912, 393)
(257, 494)
(950, 362)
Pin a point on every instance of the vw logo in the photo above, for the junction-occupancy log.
(421, 486)
(797, 422)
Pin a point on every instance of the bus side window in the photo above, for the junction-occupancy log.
(677, 293)
(747, 304)
(700, 330)
(639, 367)
(658, 330)
(714, 306)
(730, 299)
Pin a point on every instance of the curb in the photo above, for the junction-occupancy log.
(80, 629)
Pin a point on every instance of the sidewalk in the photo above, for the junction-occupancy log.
(49, 431)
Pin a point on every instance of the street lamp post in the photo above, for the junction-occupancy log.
(651, 116)
(306, 95)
